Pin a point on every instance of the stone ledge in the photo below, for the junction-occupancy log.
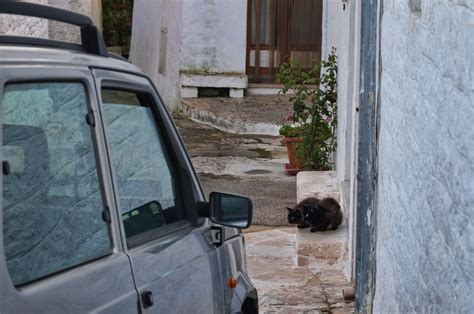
(233, 122)
(215, 80)
(318, 184)
(321, 251)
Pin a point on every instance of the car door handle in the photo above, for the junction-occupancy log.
(147, 299)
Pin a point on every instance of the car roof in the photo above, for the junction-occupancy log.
(39, 55)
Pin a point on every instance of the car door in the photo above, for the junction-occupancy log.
(173, 257)
(60, 249)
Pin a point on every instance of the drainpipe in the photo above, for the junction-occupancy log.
(367, 156)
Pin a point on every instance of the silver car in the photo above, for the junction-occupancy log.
(101, 208)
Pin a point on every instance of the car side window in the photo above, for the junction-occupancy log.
(146, 177)
(52, 202)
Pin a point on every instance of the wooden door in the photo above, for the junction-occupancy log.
(281, 29)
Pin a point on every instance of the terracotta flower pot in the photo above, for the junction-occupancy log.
(294, 165)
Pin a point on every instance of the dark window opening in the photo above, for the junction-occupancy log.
(213, 92)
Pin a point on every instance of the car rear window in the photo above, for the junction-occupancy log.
(51, 195)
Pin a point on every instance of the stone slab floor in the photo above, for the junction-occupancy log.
(295, 271)
(286, 287)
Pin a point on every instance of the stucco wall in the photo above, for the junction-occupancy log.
(65, 32)
(340, 31)
(425, 207)
(341, 25)
(214, 36)
(150, 19)
(27, 26)
(24, 26)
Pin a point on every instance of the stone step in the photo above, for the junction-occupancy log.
(317, 184)
(249, 115)
(321, 251)
(284, 286)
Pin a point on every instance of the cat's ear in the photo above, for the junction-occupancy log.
(290, 209)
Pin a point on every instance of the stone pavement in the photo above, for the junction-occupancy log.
(248, 115)
(294, 271)
(249, 165)
(284, 284)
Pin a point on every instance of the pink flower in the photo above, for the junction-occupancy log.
(329, 118)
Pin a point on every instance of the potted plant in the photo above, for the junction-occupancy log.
(291, 136)
(313, 122)
(292, 129)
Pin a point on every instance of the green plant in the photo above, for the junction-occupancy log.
(288, 130)
(117, 21)
(314, 115)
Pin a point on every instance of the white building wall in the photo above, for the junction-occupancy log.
(214, 36)
(214, 46)
(425, 206)
(156, 32)
(338, 32)
(341, 29)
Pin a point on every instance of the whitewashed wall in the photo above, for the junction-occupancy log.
(425, 208)
(341, 29)
(214, 36)
(150, 19)
(338, 32)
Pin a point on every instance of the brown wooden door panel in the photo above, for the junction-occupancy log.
(279, 30)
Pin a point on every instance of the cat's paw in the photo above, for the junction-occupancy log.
(313, 230)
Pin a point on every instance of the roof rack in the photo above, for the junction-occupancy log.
(91, 39)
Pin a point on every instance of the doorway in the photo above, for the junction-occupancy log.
(278, 30)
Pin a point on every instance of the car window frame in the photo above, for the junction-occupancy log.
(190, 190)
(146, 100)
(83, 76)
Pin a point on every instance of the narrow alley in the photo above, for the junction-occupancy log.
(295, 271)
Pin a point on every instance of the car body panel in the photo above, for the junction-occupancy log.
(103, 285)
(185, 270)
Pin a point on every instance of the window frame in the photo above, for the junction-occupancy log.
(191, 191)
(146, 100)
(84, 78)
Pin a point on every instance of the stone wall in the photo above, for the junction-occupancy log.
(156, 33)
(65, 32)
(24, 26)
(425, 206)
(27, 26)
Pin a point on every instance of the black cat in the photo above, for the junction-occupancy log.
(320, 215)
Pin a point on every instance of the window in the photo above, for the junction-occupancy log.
(52, 202)
(146, 179)
(163, 49)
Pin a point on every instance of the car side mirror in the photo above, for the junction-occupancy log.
(230, 210)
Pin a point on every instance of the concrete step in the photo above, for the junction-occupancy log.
(321, 251)
(317, 184)
(284, 286)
